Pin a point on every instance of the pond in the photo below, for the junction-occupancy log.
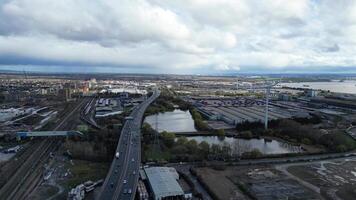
(177, 121)
(245, 145)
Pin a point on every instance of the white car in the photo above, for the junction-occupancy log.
(117, 154)
(125, 181)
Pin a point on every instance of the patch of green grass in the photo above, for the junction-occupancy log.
(84, 170)
(154, 155)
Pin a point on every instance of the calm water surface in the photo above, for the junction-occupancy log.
(333, 86)
(273, 147)
(175, 121)
(181, 121)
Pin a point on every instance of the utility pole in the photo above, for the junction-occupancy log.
(268, 90)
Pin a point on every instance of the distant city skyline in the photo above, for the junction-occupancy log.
(123, 70)
(178, 37)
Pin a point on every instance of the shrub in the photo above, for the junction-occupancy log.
(168, 138)
(306, 141)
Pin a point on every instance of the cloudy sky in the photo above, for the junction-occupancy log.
(178, 36)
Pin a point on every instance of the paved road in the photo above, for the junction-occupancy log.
(121, 181)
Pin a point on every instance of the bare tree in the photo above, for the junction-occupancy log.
(240, 146)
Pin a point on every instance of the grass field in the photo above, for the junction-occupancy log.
(156, 155)
(84, 170)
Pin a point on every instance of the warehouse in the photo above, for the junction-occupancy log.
(163, 183)
(235, 115)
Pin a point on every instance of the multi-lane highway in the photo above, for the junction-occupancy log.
(121, 180)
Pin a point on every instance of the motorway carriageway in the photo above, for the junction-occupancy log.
(122, 178)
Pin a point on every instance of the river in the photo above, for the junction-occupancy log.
(245, 145)
(176, 121)
(179, 121)
(332, 86)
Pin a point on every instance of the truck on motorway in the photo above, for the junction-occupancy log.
(129, 118)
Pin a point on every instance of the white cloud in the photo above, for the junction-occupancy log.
(180, 35)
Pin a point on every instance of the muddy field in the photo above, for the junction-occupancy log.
(335, 179)
(64, 174)
(253, 182)
(218, 183)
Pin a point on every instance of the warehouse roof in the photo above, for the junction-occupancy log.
(163, 181)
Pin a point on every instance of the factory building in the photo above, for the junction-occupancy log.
(107, 107)
(163, 183)
(312, 93)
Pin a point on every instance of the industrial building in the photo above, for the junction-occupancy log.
(235, 111)
(8, 114)
(163, 183)
(236, 115)
(129, 90)
(107, 107)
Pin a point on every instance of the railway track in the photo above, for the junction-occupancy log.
(86, 114)
(16, 188)
(36, 176)
(28, 175)
(11, 167)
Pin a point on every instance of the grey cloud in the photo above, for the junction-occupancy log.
(333, 48)
(179, 35)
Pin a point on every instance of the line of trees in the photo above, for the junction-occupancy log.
(181, 148)
(166, 102)
(293, 131)
(198, 120)
(96, 145)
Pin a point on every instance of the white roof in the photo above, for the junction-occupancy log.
(128, 90)
(163, 181)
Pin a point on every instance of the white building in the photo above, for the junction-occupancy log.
(312, 93)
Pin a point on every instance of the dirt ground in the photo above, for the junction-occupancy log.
(44, 192)
(253, 182)
(67, 174)
(335, 179)
(219, 184)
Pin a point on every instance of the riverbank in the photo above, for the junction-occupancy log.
(176, 121)
(234, 134)
(166, 102)
(331, 86)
